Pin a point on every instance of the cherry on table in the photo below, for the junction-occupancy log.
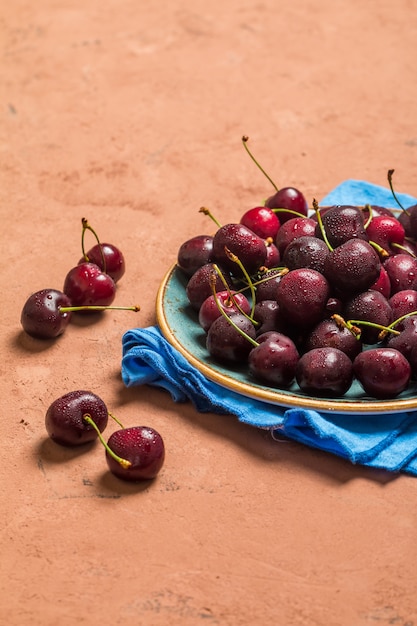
(108, 258)
(403, 302)
(402, 271)
(302, 295)
(353, 266)
(341, 223)
(41, 316)
(65, 418)
(293, 229)
(87, 284)
(135, 453)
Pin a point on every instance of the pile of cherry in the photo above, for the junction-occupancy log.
(315, 298)
(88, 286)
(78, 417)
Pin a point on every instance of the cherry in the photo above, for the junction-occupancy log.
(65, 418)
(403, 303)
(369, 306)
(402, 271)
(382, 283)
(230, 301)
(108, 258)
(135, 453)
(306, 251)
(273, 256)
(226, 343)
(302, 295)
(328, 333)
(194, 253)
(383, 372)
(324, 371)
(266, 286)
(341, 223)
(387, 232)
(86, 284)
(274, 359)
(293, 229)
(262, 221)
(288, 198)
(266, 315)
(41, 316)
(199, 285)
(406, 340)
(352, 267)
(248, 247)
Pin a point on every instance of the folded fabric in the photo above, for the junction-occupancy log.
(387, 441)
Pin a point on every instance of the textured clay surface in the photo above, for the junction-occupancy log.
(131, 114)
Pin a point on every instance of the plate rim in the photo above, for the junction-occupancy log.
(272, 396)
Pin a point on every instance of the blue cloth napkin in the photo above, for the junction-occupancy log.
(384, 441)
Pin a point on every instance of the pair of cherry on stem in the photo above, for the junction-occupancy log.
(89, 286)
(133, 454)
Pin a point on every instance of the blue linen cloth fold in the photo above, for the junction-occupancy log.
(387, 441)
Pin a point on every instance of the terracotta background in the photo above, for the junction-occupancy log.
(130, 113)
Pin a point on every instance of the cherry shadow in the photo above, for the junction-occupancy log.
(52, 452)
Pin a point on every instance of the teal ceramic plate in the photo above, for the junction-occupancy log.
(179, 325)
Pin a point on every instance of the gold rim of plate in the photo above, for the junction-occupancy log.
(271, 396)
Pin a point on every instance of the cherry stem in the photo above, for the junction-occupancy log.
(223, 312)
(230, 294)
(245, 140)
(233, 257)
(403, 249)
(123, 462)
(400, 319)
(282, 210)
(370, 216)
(87, 226)
(321, 225)
(97, 307)
(390, 174)
(352, 325)
(381, 251)
(210, 215)
(115, 419)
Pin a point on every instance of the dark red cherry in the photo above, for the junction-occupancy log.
(65, 418)
(306, 251)
(199, 285)
(382, 372)
(274, 360)
(324, 372)
(341, 223)
(293, 229)
(302, 295)
(402, 271)
(287, 198)
(328, 334)
(108, 258)
(86, 284)
(403, 303)
(249, 248)
(194, 253)
(41, 316)
(225, 343)
(142, 447)
(369, 306)
(352, 267)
